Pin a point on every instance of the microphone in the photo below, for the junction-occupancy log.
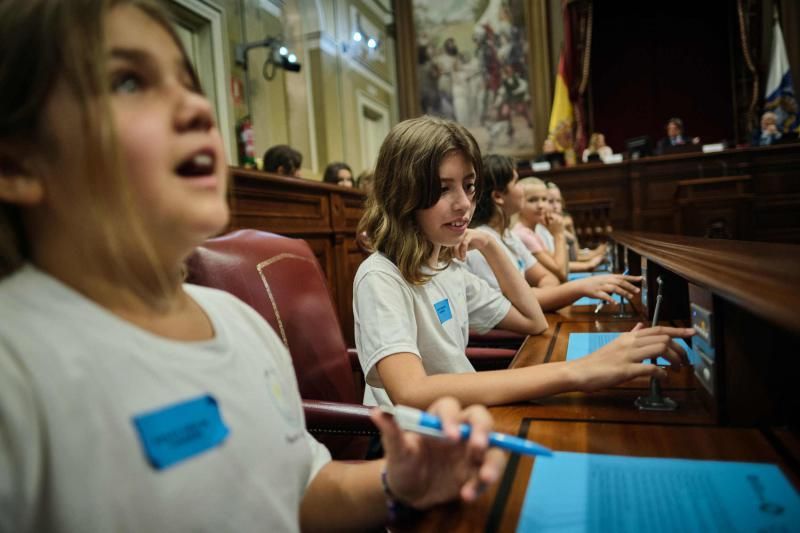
(655, 401)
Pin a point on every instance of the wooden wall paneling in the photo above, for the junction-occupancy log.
(646, 195)
(322, 214)
(760, 370)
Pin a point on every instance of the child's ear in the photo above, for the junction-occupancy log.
(497, 197)
(17, 186)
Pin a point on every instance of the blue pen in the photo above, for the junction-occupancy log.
(411, 419)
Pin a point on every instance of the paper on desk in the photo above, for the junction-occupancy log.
(585, 300)
(581, 344)
(572, 276)
(574, 492)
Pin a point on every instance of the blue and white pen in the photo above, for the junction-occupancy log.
(411, 419)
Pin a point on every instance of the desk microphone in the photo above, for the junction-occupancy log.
(622, 313)
(655, 401)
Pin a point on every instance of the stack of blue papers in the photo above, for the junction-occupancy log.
(575, 492)
(582, 344)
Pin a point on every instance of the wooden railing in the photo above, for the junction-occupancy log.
(324, 215)
(745, 194)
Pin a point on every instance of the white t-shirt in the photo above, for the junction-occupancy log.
(72, 378)
(431, 320)
(547, 237)
(516, 250)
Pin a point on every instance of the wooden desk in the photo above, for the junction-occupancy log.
(752, 417)
(751, 293)
(499, 509)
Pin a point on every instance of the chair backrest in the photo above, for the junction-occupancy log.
(281, 279)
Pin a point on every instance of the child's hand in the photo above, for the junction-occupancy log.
(595, 261)
(472, 240)
(423, 471)
(621, 359)
(603, 286)
(555, 223)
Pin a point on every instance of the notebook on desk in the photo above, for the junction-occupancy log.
(576, 493)
(582, 344)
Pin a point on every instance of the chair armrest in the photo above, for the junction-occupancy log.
(343, 418)
(483, 358)
(496, 338)
(355, 364)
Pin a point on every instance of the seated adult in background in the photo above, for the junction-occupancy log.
(769, 132)
(550, 154)
(284, 160)
(338, 174)
(675, 137)
(597, 150)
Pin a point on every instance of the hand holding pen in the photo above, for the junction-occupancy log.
(423, 471)
(424, 423)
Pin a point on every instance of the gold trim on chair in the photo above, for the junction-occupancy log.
(260, 267)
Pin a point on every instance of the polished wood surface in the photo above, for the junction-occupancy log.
(324, 215)
(753, 416)
(746, 193)
(762, 277)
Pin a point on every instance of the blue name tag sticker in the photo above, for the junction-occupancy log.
(443, 310)
(177, 432)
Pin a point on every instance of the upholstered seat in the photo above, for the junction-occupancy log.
(281, 279)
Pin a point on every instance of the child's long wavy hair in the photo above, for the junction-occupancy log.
(407, 180)
(42, 43)
(498, 171)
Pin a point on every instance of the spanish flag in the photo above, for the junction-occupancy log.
(561, 115)
(562, 105)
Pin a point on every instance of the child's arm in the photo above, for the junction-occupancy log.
(406, 382)
(547, 261)
(561, 253)
(420, 472)
(525, 315)
(552, 298)
(585, 266)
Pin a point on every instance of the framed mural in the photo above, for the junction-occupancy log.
(472, 66)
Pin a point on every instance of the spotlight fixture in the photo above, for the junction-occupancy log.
(278, 56)
(364, 37)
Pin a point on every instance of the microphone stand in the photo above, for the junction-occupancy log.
(655, 401)
(622, 313)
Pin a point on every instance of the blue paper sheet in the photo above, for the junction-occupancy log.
(577, 493)
(585, 300)
(581, 344)
(572, 276)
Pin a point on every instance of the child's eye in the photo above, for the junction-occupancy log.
(126, 83)
(470, 188)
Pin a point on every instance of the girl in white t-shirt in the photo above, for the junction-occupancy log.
(414, 304)
(128, 400)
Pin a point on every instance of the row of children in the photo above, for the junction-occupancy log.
(130, 401)
(446, 261)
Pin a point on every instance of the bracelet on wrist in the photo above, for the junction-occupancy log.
(399, 512)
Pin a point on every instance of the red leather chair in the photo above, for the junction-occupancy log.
(281, 279)
(494, 349)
